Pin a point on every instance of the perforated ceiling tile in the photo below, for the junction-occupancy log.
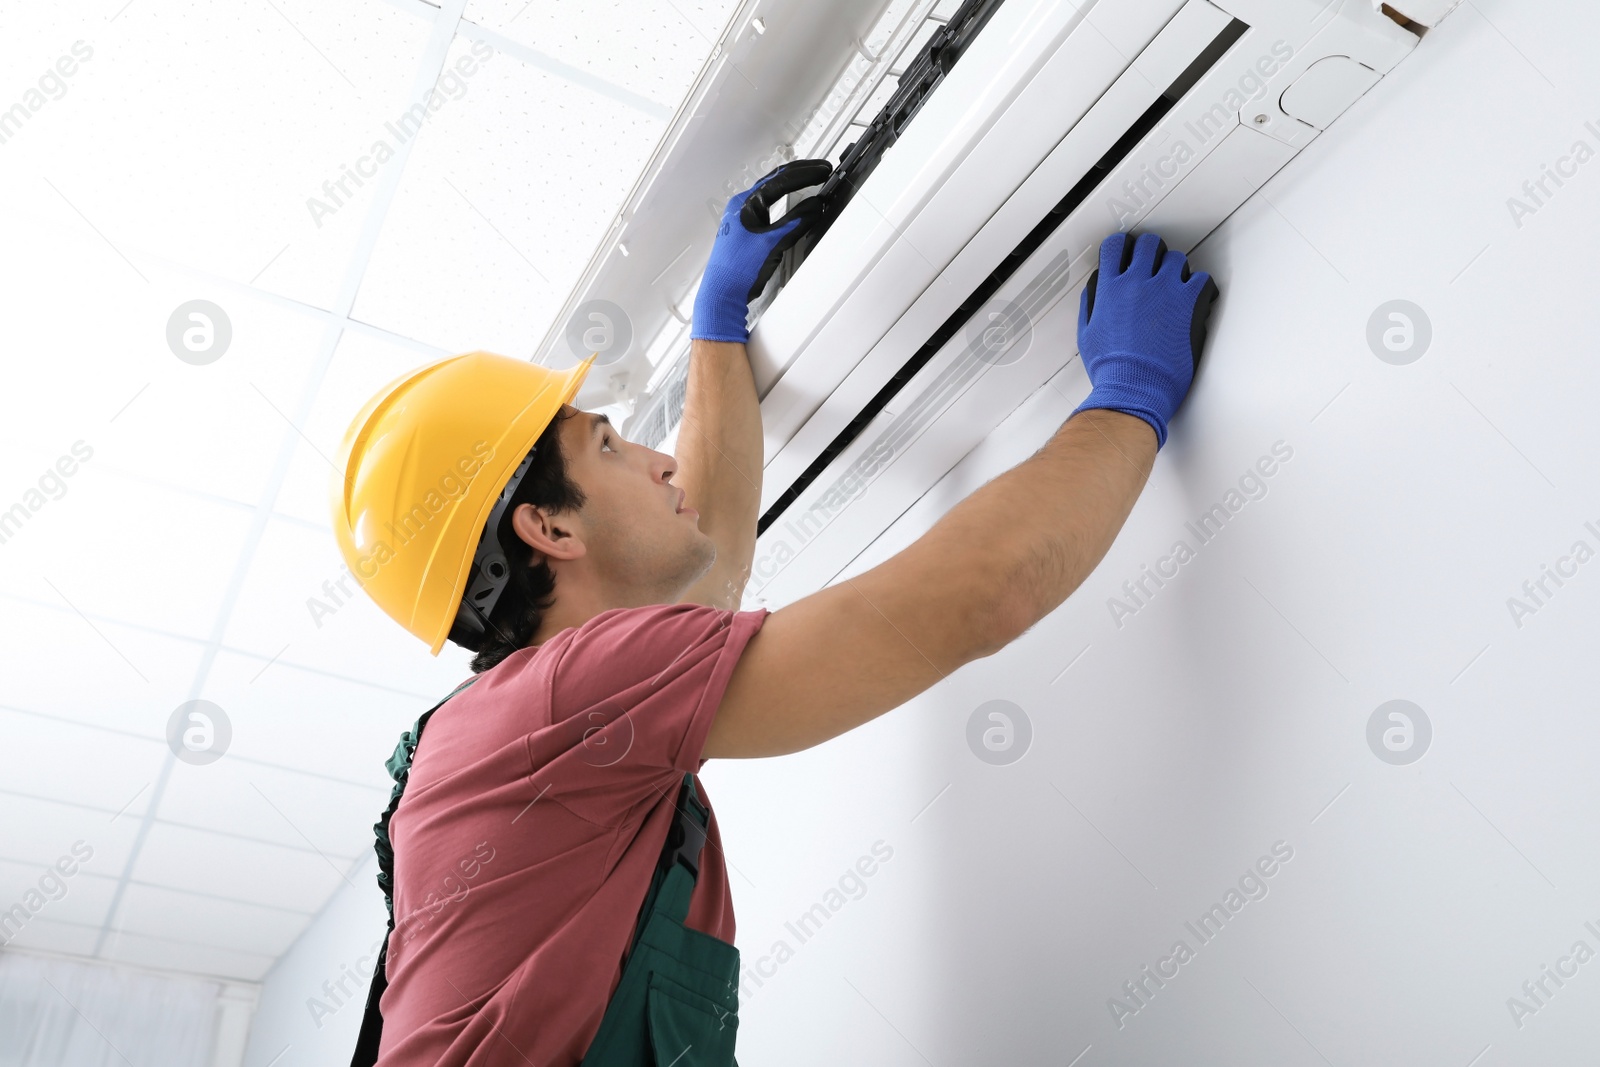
(287, 614)
(652, 48)
(218, 178)
(508, 190)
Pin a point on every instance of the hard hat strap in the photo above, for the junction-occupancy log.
(490, 572)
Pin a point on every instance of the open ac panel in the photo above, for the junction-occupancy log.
(929, 303)
(908, 334)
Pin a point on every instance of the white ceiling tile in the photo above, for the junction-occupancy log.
(198, 132)
(47, 935)
(502, 204)
(189, 957)
(28, 30)
(92, 670)
(55, 759)
(362, 365)
(179, 165)
(166, 564)
(87, 330)
(76, 897)
(346, 635)
(112, 395)
(176, 916)
(308, 486)
(203, 862)
(43, 831)
(288, 809)
(313, 721)
(647, 47)
(220, 428)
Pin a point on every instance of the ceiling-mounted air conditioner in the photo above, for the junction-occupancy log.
(1059, 125)
(985, 147)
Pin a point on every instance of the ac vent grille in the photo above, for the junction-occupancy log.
(1008, 266)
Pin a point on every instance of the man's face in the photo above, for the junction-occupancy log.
(644, 549)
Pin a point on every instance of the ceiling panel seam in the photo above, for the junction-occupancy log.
(220, 898)
(430, 67)
(576, 75)
(155, 739)
(196, 827)
(167, 940)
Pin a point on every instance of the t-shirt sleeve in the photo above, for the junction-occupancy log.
(632, 697)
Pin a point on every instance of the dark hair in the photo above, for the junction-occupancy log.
(531, 590)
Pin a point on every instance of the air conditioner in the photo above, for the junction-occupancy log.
(944, 290)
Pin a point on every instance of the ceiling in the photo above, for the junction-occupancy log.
(181, 557)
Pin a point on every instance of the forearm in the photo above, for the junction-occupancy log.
(719, 447)
(1032, 535)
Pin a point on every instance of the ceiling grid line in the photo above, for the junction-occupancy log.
(430, 68)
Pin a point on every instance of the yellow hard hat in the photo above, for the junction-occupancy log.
(422, 469)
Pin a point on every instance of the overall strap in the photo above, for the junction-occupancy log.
(685, 840)
(399, 765)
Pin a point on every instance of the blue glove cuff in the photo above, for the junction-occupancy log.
(1137, 386)
(720, 311)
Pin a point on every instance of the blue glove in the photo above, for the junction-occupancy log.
(1141, 324)
(749, 247)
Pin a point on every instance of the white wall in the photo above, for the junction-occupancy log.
(304, 1017)
(1173, 750)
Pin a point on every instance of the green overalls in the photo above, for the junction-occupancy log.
(678, 1001)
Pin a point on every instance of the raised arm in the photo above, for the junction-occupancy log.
(719, 442)
(1003, 558)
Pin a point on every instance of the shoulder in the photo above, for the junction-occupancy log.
(649, 645)
(684, 621)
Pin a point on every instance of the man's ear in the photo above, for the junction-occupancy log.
(547, 536)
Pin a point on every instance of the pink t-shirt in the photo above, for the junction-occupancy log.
(537, 806)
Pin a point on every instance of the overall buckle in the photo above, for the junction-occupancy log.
(687, 837)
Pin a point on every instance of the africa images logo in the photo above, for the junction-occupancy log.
(336, 192)
(1252, 885)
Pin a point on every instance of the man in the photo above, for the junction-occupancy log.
(559, 893)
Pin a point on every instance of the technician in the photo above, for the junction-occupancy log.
(557, 889)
